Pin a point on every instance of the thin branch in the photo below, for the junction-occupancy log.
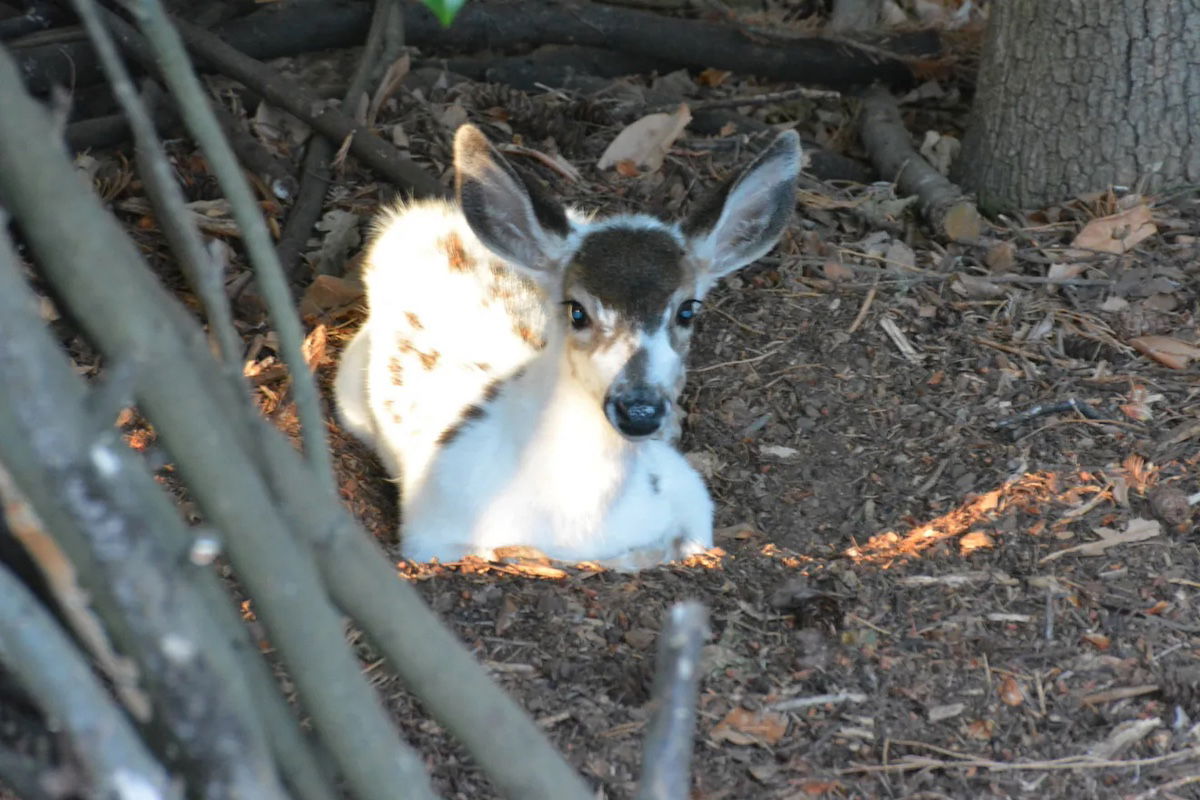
(335, 125)
(115, 534)
(194, 108)
(382, 48)
(65, 225)
(36, 650)
(965, 761)
(204, 274)
(666, 774)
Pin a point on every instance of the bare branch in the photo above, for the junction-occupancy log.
(666, 774)
(194, 108)
(34, 648)
(383, 46)
(65, 225)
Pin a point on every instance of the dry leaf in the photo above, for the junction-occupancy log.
(739, 532)
(1124, 736)
(1137, 530)
(1139, 404)
(1117, 233)
(779, 452)
(1166, 350)
(818, 788)
(940, 151)
(1001, 257)
(975, 540)
(939, 713)
(976, 287)
(505, 616)
(899, 255)
(327, 292)
(712, 77)
(744, 727)
(981, 729)
(1059, 272)
(314, 347)
(646, 141)
(1098, 641)
(1010, 691)
(836, 271)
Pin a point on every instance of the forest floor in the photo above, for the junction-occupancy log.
(923, 588)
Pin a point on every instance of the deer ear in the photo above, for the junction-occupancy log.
(745, 219)
(515, 218)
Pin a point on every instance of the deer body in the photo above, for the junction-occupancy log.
(519, 366)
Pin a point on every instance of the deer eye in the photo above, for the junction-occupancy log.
(687, 312)
(579, 318)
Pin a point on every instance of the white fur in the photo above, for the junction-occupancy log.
(543, 467)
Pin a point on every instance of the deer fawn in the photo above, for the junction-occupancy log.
(520, 365)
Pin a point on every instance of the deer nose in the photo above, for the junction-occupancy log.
(639, 413)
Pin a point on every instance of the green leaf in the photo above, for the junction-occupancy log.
(445, 10)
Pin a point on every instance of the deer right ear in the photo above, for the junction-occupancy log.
(743, 221)
(514, 218)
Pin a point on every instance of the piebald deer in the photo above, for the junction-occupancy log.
(520, 365)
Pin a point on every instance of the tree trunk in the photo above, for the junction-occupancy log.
(1076, 96)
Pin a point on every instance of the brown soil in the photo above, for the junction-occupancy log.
(890, 615)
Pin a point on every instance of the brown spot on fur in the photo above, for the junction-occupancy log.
(414, 321)
(529, 336)
(428, 360)
(396, 370)
(456, 254)
(469, 414)
(631, 270)
(483, 366)
(491, 390)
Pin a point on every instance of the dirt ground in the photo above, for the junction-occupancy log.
(924, 588)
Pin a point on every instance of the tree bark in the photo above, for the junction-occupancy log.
(1079, 96)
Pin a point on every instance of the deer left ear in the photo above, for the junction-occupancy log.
(745, 219)
(515, 219)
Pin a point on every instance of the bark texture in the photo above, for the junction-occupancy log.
(1076, 96)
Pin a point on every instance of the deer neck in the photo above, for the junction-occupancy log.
(565, 423)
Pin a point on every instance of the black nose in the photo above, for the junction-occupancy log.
(639, 413)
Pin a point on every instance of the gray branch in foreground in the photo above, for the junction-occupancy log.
(881, 128)
(66, 227)
(509, 747)
(203, 272)
(124, 543)
(188, 403)
(193, 104)
(36, 650)
(666, 772)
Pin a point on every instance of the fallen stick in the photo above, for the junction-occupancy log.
(817, 61)
(813, 60)
(951, 213)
